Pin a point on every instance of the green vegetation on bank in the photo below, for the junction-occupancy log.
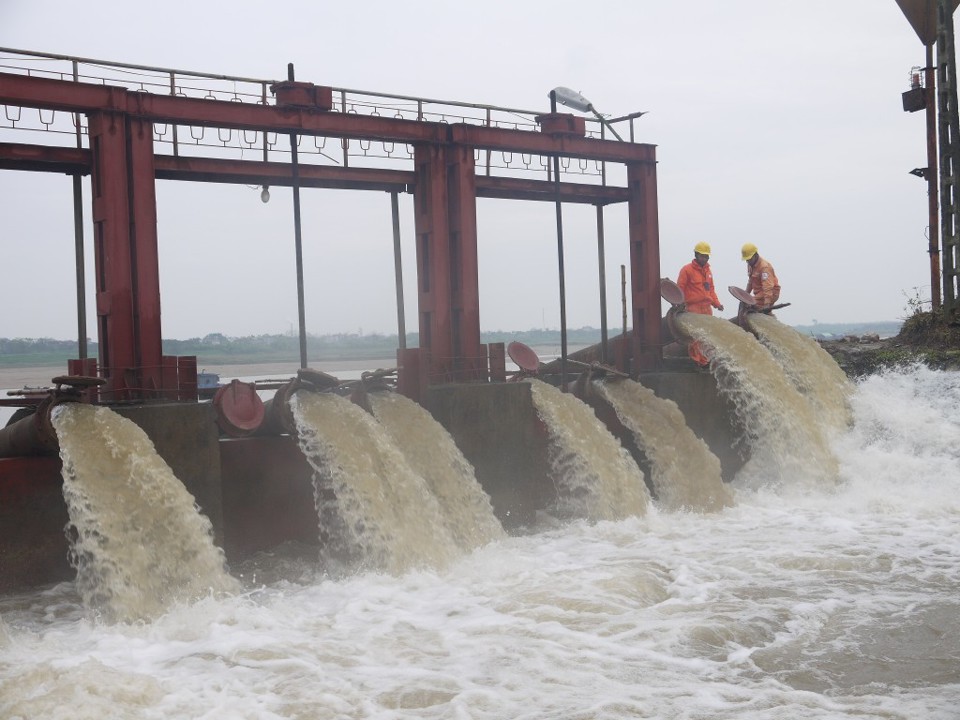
(219, 349)
(927, 338)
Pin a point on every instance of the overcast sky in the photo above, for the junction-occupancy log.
(775, 123)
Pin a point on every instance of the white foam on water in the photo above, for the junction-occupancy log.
(139, 543)
(828, 603)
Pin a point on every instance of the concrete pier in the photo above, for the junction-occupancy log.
(258, 492)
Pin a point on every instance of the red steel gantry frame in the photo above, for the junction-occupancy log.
(123, 166)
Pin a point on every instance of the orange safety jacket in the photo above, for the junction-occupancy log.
(698, 290)
(763, 283)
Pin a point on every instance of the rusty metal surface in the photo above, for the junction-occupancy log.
(267, 495)
(239, 408)
(453, 156)
(922, 16)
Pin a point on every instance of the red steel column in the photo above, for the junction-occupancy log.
(465, 275)
(433, 263)
(125, 251)
(644, 265)
(146, 267)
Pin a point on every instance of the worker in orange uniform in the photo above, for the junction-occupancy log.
(699, 293)
(763, 281)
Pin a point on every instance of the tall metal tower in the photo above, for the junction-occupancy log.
(949, 136)
(933, 22)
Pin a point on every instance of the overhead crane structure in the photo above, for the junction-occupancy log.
(126, 126)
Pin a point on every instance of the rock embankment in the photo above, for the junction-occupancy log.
(926, 338)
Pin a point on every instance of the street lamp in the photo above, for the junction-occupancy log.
(574, 100)
(571, 99)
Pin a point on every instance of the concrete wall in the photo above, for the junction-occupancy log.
(33, 516)
(258, 491)
(497, 430)
(709, 414)
(268, 495)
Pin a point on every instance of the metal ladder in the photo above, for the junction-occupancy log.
(949, 137)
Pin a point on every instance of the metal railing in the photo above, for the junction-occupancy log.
(199, 141)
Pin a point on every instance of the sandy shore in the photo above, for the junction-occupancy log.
(16, 378)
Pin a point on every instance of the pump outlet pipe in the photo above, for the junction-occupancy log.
(34, 435)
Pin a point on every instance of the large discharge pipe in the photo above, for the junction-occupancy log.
(34, 434)
(277, 415)
(31, 435)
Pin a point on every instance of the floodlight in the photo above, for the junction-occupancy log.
(572, 99)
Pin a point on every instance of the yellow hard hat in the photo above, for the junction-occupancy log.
(702, 247)
(748, 251)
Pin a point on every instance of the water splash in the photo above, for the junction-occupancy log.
(140, 542)
(809, 367)
(431, 451)
(685, 473)
(595, 475)
(375, 511)
(780, 429)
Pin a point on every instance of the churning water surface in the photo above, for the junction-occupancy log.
(800, 600)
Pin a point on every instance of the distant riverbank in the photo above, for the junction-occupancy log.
(40, 375)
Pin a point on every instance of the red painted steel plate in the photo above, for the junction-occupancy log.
(670, 291)
(742, 295)
(523, 356)
(239, 409)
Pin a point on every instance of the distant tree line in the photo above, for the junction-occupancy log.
(26, 346)
(219, 348)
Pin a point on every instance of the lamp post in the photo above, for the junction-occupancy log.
(932, 20)
(298, 243)
(575, 101)
(563, 293)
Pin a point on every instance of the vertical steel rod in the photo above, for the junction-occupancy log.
(623, 296)
(933, 195)
(173, 93)
(601, 260)
(78, 243)
(563, 290)
(299, 244)
(398, 269)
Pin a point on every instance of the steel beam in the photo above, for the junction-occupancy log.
(44, 158)
(433, 264)
(644, 266)
(125, 251)
(464, 267)
(81, 97)
(256, 172)
(29, 91)
(525, 141)
(544, 190)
